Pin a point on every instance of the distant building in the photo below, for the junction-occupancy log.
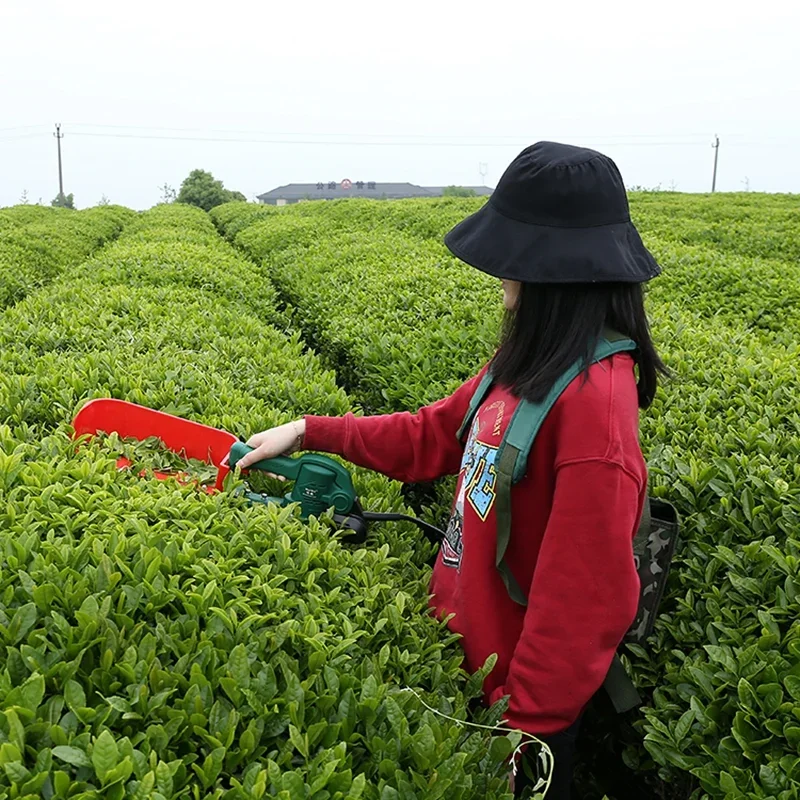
(330, 190)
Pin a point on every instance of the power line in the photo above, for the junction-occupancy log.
(23, 136)
(363, 134)
(365, 143)
(21, 128)
(391, 140)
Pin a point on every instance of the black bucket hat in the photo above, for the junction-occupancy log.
(559, 214)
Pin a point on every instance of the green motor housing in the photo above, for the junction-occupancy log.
(320, 482)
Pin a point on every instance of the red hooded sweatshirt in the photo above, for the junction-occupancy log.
(574, 516)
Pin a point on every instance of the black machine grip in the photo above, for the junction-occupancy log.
(432, 533)
(355, 526)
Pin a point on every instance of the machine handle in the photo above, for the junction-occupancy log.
(319, 481)
(280, 465)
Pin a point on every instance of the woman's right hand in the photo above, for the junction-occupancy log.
(281, 441)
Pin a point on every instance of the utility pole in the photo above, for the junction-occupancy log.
(716, 158)
(59, 136)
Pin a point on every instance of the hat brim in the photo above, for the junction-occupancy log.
(508, 248)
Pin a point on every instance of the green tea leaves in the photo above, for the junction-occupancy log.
(105, 755)
(72, 755)
(23, 620)
(239, 666)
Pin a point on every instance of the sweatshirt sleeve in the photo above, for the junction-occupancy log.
(583, 598)
(405, 446)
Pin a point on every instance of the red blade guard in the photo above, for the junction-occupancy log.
(131, 421)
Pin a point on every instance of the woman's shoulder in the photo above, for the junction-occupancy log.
(612, 380)
(598, 417)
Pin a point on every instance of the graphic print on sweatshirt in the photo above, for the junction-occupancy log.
(477, 482)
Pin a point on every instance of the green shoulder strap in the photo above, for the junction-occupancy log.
(512, 456)
(475, 403)
(619, 687)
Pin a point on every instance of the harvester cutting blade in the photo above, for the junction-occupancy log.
(182, 436)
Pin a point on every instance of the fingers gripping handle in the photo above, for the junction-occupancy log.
(280, 465)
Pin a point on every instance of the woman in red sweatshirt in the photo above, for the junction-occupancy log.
(557, 233)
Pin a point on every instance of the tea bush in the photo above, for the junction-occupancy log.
(24, 214)
(753, 225)
(39, 243)
(723, 285)
(368, 309)
(162, 643)
(233, 217)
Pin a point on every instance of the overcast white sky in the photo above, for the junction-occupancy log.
(442, 85)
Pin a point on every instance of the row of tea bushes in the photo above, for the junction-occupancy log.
(36, 246)
(161, 643)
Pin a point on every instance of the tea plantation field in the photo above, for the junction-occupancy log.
(156, 642)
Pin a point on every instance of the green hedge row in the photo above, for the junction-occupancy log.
(759, 296)
(233, 217)
(38, 246)
(366, 307)
(14, 216)
(161, 643)
(751, 225)
(404, 324)
(708, 257)
(370, 310)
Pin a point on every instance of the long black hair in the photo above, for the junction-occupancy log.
(554, 325)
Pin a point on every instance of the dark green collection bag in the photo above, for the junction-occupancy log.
(653, 544)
